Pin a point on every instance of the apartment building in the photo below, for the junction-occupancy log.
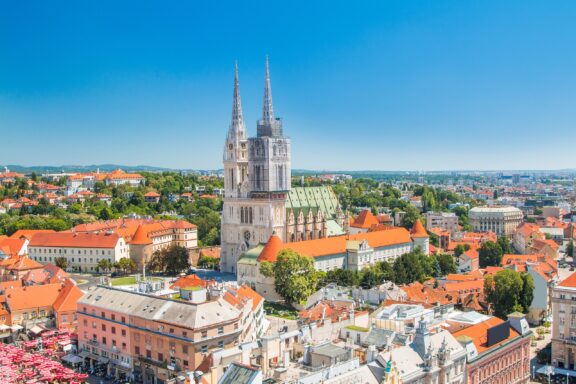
(497, 351)
(564, 324)
(448, 221)
(151, 337)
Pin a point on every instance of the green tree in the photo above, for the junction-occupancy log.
(505, 245)
(527, 294)
(294, 276)
(387, 270)
(412, 214)
(371, 277)
(503, 291)
(460, 249)
(400, 275)
(176, 259)
(61, 262)
(105, 214)
(125, 264)
(104, 265)
(447, 263)
(490, 254)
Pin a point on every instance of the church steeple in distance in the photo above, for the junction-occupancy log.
(269, 125)
(267, 109)
(236, 130)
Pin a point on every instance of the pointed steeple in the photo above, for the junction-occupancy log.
(237, 125)
(267, 109)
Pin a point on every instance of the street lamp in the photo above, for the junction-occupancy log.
(549, 371)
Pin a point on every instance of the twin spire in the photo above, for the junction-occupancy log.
(237, 126)
(267, 109)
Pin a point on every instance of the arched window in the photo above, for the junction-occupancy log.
(242, 215)
(250, 221)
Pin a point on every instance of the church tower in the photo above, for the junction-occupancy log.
(257, 176)
(269, 150)
(236, 147)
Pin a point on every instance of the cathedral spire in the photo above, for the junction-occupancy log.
(237, 125)
(267, 110)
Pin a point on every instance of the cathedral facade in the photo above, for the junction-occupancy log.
(258, 198)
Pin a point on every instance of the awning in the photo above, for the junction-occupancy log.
(4, 327)
(36, 330)
(72, 359)
(103, 360)
(557, 371)
(17, 327)
(84, 354)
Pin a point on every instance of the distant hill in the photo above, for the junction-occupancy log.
(40, 169)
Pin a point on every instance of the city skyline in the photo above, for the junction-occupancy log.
(136, 94)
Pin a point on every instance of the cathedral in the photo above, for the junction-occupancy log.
(258, 198)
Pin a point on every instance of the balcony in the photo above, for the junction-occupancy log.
(150, 361)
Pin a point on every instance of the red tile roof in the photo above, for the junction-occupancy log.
(33, 296)
(569, 282)
(28, 233)
(365, 220)
(336, 244)
(73, 239)
(68, 297)
(418, 230)
(140, 237)
(479, 334)
(192, 281)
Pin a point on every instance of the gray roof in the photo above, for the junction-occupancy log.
(328, 349)
(181, 313)
(378, 337)
(239, 374)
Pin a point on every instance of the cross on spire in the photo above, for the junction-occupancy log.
(267, 110)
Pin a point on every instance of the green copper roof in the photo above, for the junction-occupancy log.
(314, 198)
(250, 256)
(334, 229)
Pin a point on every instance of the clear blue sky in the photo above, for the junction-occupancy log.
(390, 85)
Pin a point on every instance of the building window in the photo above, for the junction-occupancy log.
(204, 334)
(220, 330)
(104, 340)
(221, 344)
(113, 330)
(123, 332)
(204, 349)
(104, 327)
(184, 349)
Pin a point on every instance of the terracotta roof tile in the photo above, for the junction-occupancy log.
(72, 239)
(479, 334)
(418, 229)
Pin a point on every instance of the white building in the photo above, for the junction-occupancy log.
(445, 220)
(431, 358)
(82, 251)
(500, 220)
(353, 252)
